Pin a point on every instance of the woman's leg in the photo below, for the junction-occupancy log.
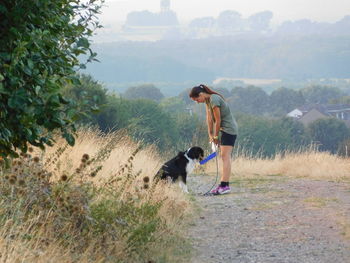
(226, 151)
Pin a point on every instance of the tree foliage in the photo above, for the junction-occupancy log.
(145, 91)
(329, 133)
(90, 97)
(266, 136)
(284, 100)
(321, 94)
(40, 42)
(250, 100)
(151, 124)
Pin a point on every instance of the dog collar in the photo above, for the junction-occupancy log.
(188, 158)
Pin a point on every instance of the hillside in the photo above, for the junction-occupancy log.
(291, 58)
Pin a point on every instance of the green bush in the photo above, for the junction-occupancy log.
(40, 42)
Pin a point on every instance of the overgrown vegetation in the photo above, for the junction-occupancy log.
(63, 204)
(40, 42)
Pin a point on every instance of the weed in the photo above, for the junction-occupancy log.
(63, 201)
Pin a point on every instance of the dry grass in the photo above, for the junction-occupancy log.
(97, 202)
(310, 163)
(94, 202)
(319, 202)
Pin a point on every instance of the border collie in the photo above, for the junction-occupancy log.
(180, 166)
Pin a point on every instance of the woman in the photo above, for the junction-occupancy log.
(221, 123)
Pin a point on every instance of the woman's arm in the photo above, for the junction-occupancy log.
(217, 116)
(209, 122)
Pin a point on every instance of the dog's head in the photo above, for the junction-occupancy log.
(195, 153)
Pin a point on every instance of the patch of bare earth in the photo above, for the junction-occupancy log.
(272, 219)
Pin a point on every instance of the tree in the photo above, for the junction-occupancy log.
(260, 21)
(149, 123)
(145, 91)
(173, 105)
(184, 95)
(266, 137)
(40, 42)
(296, 135)
(90, 97)
(341, 100)
(321, 94)
(229, 20)
(259, 135)
(251, 100)
(115, 114)
(284, 100)
(192, 131)
(329, 133)
(223, 91)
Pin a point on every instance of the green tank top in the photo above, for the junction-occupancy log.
(228, 123)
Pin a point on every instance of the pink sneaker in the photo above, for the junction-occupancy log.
(220, 190)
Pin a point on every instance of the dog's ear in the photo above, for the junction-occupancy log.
(199, 152)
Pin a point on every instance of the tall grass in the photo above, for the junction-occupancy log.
(94, 202)
(307, 162)
(97, 202)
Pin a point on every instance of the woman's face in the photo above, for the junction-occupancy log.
(200, 98)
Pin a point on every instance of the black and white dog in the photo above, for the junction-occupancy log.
(180, 166)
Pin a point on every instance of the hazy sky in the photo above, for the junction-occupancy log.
(316, 10)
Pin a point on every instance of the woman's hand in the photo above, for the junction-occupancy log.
(214, 139)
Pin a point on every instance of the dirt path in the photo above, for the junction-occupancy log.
(273, 219)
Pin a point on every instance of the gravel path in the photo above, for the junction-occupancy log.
(272, 219)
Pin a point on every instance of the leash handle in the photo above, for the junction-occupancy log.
(214, 147)
(209, 157)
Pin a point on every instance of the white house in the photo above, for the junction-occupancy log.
(311, 112)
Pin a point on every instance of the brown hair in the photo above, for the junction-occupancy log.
(194, 93)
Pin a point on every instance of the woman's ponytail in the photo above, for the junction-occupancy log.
(194, 93)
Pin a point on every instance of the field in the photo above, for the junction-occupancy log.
(97, 202)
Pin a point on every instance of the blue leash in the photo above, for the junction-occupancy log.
(208, 158)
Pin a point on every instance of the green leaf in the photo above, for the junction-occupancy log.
(30, 64)
(37, 90)
(3, 90)
(3, 9)
(83, 42)
(63, 100)
(69, 138)
(28, 71)
(95, 109)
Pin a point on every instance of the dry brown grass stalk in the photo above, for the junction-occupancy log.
(88, 202)
(308, 163)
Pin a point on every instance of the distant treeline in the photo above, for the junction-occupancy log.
(175, 123)
(203, 60)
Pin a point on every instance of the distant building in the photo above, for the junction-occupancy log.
(311, 112)
(164, 5)
(165, 17)
(148, 26)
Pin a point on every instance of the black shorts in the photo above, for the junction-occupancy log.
(227, 139)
